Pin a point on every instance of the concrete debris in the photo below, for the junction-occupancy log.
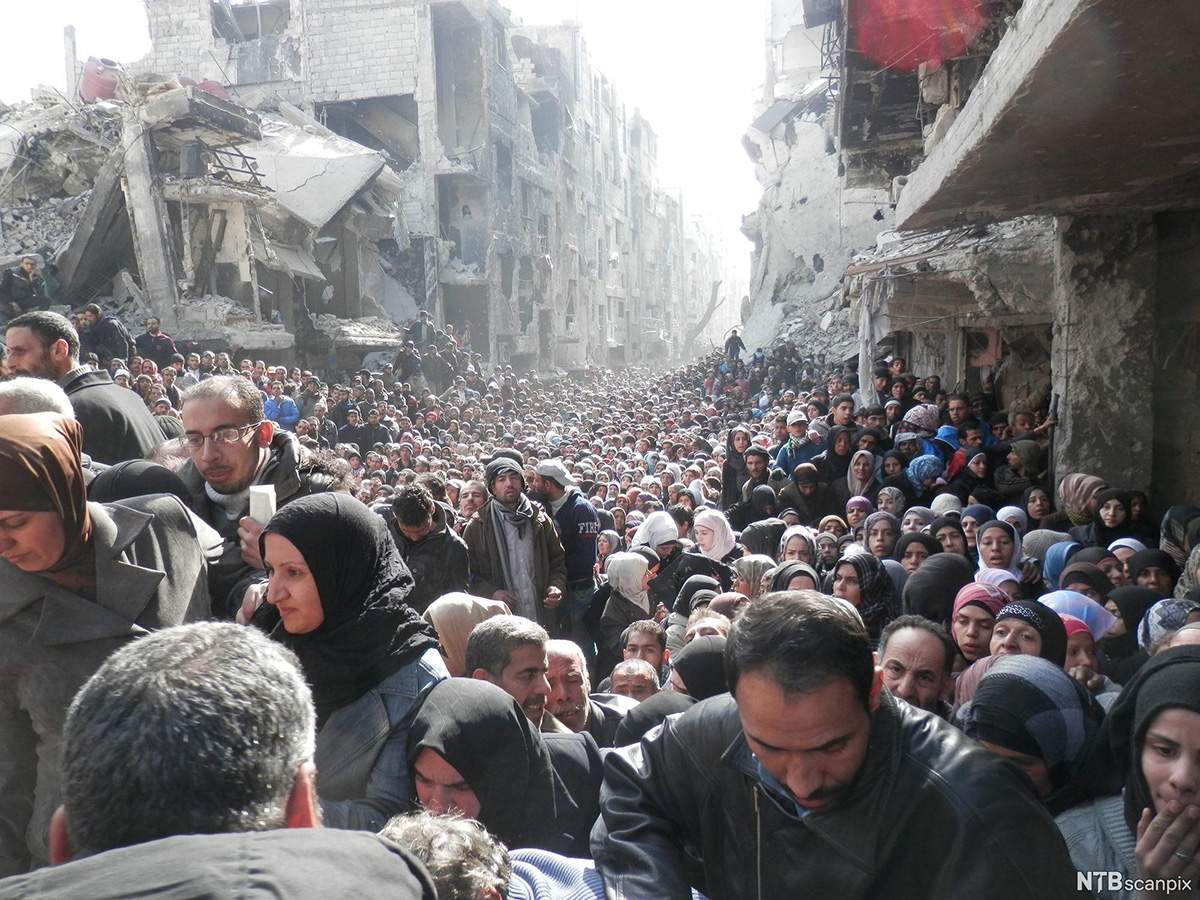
(37, 227)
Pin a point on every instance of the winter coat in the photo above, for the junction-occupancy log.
(150, 574)
(694, 791)
(117, 427)
(289, 470)
(487, 571)
(438, 561)
(283, 412)
(362, 749)
(158, 347)
(578, 526)
(253, 865)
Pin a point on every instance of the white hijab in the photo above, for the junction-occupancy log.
(625, 574)
(723, 539)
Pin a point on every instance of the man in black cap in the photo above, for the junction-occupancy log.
(515, 553)
(758, 462)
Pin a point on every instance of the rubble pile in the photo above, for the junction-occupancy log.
(37, 227)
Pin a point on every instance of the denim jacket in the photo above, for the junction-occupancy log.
(362, 750)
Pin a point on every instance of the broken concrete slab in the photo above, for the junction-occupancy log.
(188, 115)
(313, 176)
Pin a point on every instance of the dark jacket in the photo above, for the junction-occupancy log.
(929, 815)
(327, 433)
(287, 469)
(150, 574)
(578, 527)
(678, 568)
(27, 293)
(258, 865)
(158, 347)
(578, 765)
(117, 427)
(110, 338)
(607, 713)
(619, 613)
(438, 561)
(354, 435)
(487, 571)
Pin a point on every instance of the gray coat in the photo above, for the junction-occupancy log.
(150, 574)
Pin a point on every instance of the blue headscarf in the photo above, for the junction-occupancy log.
(1057, 558)
(922, 469)
(978, 512)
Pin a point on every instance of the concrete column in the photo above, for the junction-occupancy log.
(148, 218)
(1103, 353)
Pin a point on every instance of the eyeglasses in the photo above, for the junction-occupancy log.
(221, 436)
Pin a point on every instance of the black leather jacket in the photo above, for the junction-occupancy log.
(930, 815)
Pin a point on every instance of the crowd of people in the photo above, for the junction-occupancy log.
(748, 628)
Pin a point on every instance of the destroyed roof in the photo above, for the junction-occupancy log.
(372, 332)
(312, 175)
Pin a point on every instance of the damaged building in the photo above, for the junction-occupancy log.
(1041, 224)
(303, 176)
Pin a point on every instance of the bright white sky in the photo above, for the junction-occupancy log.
(694, 67)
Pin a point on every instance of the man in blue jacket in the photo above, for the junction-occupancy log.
(578, 526)
(281, 409)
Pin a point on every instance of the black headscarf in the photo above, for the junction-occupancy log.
(701, 665)
(650, 712)
(1103, 535)
(784, 574)
(941, 522)
(930, 591)
(481, 731)
(135, 478)
(877, 603)
(1146, 558)
(694, 583)
(833, 467)
(1133, 602)
(1170, 679)
(929, 542)
(369, 632)
(1047, 622)
(764, 535)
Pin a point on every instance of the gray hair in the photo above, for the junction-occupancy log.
(236, 390)
(573, 650)
(634, 668)
(19, 396)
(462, 858)
(199, 729)
(491, 643)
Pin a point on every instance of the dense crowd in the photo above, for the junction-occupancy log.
(747, 628)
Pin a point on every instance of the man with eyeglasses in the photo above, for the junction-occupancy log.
(233, 446)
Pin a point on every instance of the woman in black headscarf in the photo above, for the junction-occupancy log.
(472, 750)
(1120, 655)
(1145, 746)
(792, 576)
(698, 670)
(337, 588)
(1114, 520)
(763, 537)
(811, 499)
(931, 589)
(834, 463)
(649, 713)
(733, 470)
(697, 589)
(862, 580)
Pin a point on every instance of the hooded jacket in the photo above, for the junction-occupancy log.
(694, 791)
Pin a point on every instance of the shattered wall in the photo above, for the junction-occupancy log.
(807, 228)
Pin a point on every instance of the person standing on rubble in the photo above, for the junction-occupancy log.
(154, 344)
(22, 289)
(106, 335)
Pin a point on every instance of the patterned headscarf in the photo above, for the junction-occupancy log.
(922, 469)
(925, 418)
(1031, 706)
(877, 603)
(1163, 617)
(898, 499)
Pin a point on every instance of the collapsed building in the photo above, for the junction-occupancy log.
(305, 175)
(1041, 224)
